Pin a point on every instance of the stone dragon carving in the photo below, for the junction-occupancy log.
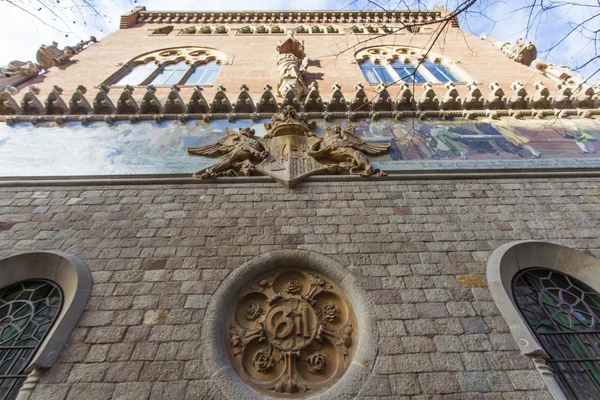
(239, 153)
(341, 150)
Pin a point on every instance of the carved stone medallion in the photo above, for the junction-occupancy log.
(288, 161)
(291, 333)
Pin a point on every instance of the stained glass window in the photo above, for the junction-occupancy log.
(375, 73)
(204, 74)
(563, 313)
(171, 74)
(137, 74)
(28, 310)
(440, 71)
(408, 72)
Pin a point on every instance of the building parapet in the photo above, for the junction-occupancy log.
(281, 17)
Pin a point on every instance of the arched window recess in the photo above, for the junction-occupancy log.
(549, 296)
(42, 296)
(167, 67)
(390, 64)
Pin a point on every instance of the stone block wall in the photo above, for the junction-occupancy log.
(419, 248)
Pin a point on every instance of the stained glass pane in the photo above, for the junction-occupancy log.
(27, 311)
(137, 74)
(171, 74)
(440, 71)
(204, 74)
(375, 73)
(408, 72)
(563, 313)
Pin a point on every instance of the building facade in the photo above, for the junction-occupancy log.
(237, 205)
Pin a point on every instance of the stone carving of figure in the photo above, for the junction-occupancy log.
(17, 72)
(291, 63)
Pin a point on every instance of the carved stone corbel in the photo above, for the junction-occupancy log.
(150, 104)
(428, 100)
(521, 52)
(585, 97)
(174, 103)
(102, 104)
(383, 100)
(541, 99)
(8, 105)
(290, 99)
(267, 102)
(519, 99)
(197, 103)
(55, 105)
(360, 101)
(220, 103)
(562, 98)
(406, 100)
(244, 103)
(337, 101)
(30, 104)
(313, 102)
(496, 100)
(474, 99)
(451, 99)
(78, 105)
(126, 104)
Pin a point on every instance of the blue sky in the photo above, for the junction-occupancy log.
(506, 20)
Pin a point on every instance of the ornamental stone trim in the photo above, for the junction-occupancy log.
(215, 329)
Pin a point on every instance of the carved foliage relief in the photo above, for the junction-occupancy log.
(291, 332)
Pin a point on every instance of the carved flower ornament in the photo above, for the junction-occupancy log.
(291, 332)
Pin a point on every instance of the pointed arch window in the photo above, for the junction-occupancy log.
(564, 314)
(137, 74)
(28, 310)
(204, 74)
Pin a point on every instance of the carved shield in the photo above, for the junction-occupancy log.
(288, 161)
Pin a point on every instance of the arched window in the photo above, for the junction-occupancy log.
(137, 74)
(204, 74)
(173, 66)
(390, 64)
(439, 71)
(563, 314)
(28, 310)
(375, 73)
(407, 71)
(171, 74)
(42, 296)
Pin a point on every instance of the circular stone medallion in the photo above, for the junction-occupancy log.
(292, 333)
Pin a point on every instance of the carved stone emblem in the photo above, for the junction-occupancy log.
(290, 151)
(291, 332)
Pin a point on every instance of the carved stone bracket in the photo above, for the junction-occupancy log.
(291, 332)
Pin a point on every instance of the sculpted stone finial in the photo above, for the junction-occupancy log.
(474, 100)
(360, 101)
(541, 99)
(451, 99)
(521, 52)
(428, 100)
(496, 100)
(337, 101)
(267, 102)
(78, 105)
(197, 103)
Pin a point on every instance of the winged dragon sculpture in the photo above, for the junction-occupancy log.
(341, 150)
(239, 153)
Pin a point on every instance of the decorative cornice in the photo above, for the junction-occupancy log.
(446, 104)
(283, 17)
